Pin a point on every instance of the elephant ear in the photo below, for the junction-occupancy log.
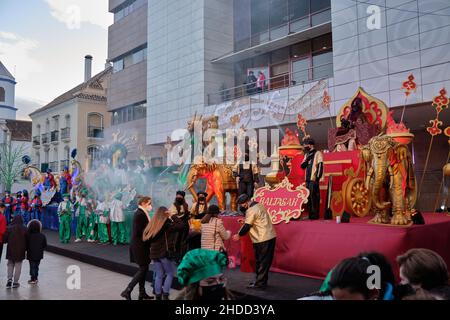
(404, 159)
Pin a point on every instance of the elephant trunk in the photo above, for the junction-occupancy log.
(380, 175)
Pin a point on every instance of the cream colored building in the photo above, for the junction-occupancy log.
(75, 119)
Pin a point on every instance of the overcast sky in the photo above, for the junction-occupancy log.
(43, 44)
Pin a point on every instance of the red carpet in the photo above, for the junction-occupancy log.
(312, 248)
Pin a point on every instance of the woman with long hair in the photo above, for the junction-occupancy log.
(140, 249)
(162, 232)
(213, 231)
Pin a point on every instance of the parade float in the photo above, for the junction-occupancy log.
(368, 176)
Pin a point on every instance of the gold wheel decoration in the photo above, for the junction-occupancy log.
(357, 197)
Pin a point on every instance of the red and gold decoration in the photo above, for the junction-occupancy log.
(439, 103)
(445, 170)
(374, 109)
(389, 162)
(326, 102)
(284, 202)
(408, 87)
(301, 124)
(398, 131)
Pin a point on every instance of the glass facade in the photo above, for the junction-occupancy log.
(129, 113)
(126, 8)
(259, 21)
(129, 59)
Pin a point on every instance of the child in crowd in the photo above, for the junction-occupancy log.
(36, 206)
(16, 238)
(8, 201)
(91, 234)
(65, 210)
(80, 213)
(36, 243)
(103, 220)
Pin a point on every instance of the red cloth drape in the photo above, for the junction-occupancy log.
(312, 248)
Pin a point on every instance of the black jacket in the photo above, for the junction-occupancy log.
(36, 244)
(16, 238)
(139, 249)
(165, 244)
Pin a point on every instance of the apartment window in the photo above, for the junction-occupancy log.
(118, 65)
(95, 125)
(37, 160)
(93, 152)
(298, 9)
(2, 94)
(278, 13)
(258, 21)
(67, 120)
(318, 5)
(129, 113)
(128, 8)
(66, 153)
(129, 59)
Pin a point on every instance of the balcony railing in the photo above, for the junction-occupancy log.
(281, 81)
(36, 141)
(65, 134)
(55, 136)
(63, 164)
(45, 138)
(53, 166)
(95, 132)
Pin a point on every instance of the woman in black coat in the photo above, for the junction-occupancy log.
(16, 238)
(139, 249)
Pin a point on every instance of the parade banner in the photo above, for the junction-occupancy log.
(284, 202)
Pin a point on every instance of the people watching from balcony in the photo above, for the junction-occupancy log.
(251, 83)
(261, 82)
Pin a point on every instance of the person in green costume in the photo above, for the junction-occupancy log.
(65, 209)
(80, 214)
(92, 220)
(103, 220)
(117, 216)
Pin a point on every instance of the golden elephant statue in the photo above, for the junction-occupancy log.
(390, 175)
(219, 180)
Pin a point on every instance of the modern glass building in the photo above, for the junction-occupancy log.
(201, 53)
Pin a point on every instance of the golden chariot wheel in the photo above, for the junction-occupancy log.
(357, 197)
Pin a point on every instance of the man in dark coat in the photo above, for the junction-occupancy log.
(16, 238)
(140, 249)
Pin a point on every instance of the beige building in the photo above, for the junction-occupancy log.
(127, 93)
(75, 119)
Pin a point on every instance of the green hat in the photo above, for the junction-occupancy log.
(199, 264)
(118, 196)
(84, 192)
(66, 195)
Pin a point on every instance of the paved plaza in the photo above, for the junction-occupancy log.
(96, 283)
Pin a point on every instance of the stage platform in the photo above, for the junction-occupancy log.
(310, 248)
(116, 258)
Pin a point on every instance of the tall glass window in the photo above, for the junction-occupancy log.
(259, 21)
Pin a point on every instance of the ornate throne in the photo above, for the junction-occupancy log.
(374, 113)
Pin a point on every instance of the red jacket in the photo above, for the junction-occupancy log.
(37, 202)
(2, 226)
(23, 202)
(9, 200)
